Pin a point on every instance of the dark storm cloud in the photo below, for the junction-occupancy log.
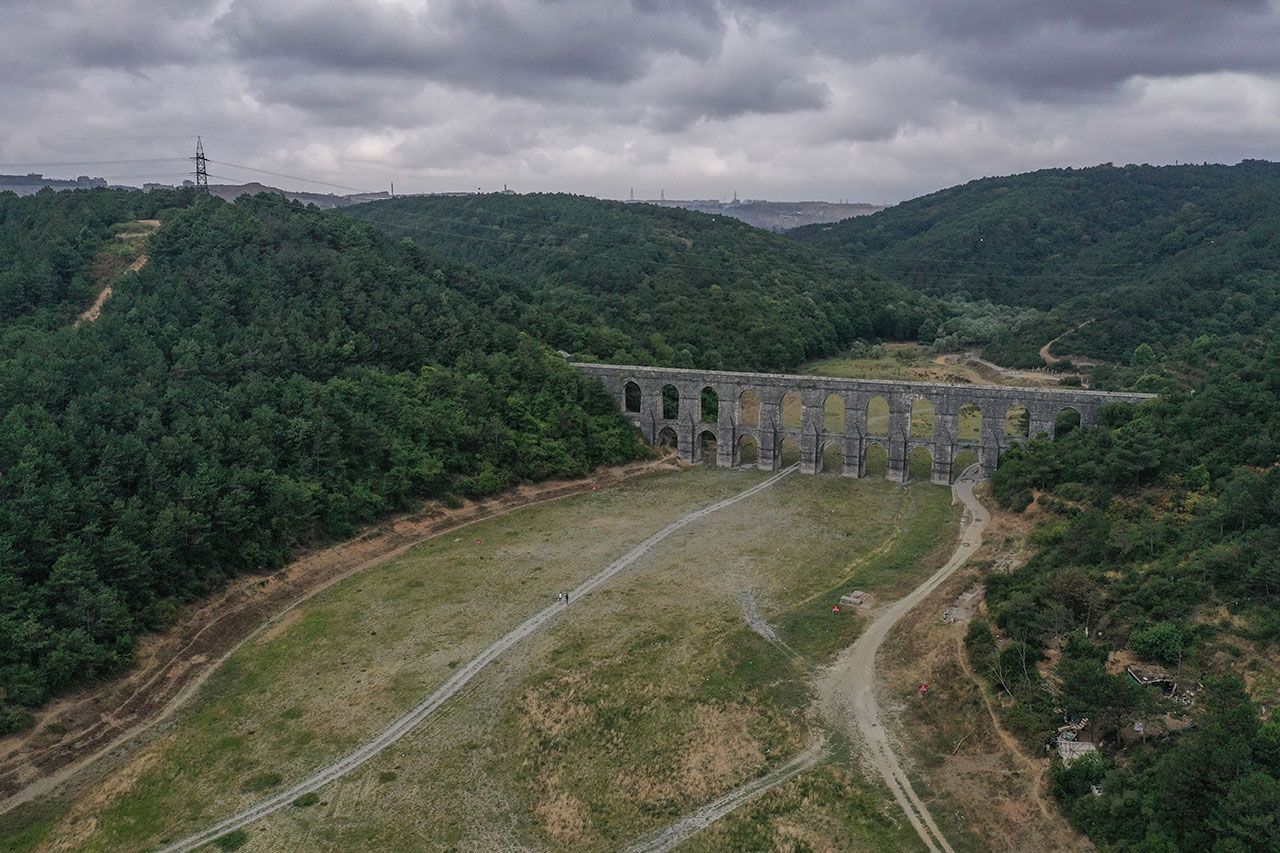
(507, 48)
(1046, 48)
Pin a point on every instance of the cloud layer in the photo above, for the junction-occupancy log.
(871, 100)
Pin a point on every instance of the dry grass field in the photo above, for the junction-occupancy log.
(644, 701)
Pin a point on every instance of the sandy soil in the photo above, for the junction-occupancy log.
(72, 733)
(985, 784)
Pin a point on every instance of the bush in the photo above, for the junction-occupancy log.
(308, 799)
(232, 840)
(1076, 779)
(261, 782)
(1162, 642)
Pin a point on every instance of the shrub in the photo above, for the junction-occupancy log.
(1162, 642)
(233, 840)
(261, 782)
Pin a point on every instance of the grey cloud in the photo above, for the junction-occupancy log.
(733, 89)
(873, 99)
(504, 48)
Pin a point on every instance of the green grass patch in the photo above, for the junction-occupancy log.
(232, 840)
(261, 782)
(306, 800)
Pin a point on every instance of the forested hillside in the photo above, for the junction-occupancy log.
(48, 242)
(274, 377)
(1159, 538)
(636, 283)
(1155, 255)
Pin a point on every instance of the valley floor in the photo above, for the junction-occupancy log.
(645, 702)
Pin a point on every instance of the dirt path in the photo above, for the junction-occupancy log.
(92, 313)
(680, 831)
(750, 604)
(461, 676)
(846, 690)
(71, 735)
(1038, 770)
(1050, 358)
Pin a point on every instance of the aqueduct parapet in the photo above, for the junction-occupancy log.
(644, 405)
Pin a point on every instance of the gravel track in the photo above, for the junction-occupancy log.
(847, 689)
(460, 677)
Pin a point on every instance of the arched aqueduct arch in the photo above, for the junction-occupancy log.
(952, 416)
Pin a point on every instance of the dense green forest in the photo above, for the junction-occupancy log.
(1155, 255)
(641, 284)
(1160, 535)
(274, 377)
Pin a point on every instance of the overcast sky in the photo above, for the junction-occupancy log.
(872, 100)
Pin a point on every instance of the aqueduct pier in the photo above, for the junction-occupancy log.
(833, 414)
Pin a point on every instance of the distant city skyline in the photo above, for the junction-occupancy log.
(868, 101)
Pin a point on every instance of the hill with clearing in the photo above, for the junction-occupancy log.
(1155, 255)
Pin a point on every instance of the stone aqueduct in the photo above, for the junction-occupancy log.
(732, 427)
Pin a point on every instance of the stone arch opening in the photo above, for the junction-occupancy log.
(631, 397)
(877, 461)
(831, 459)
(788, 452)
(792, 410)
(919, 463)
(963, 460)
(748, 450)
(969, 422)
(922, 418)
(833, 413)
(749, 409)
(670, 402)
(707, 446)
(710, 400)
(667, 438)
(1017, 421)
(1068, 420)
(878, 416)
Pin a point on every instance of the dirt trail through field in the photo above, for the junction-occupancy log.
(73, 734)
(749, 601)
(847, 689)
(461, 676)
(680, 831)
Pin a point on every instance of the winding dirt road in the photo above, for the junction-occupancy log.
(847, 690)
(459, 679)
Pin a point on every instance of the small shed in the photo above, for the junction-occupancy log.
(1070, 750)
(856, 598)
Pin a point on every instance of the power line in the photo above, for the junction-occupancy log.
(290, 177)
(202, 168)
